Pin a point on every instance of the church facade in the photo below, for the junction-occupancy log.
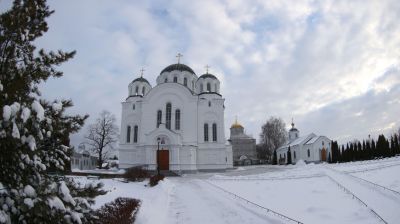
(243, 146)
(309, 148)
(176, 125)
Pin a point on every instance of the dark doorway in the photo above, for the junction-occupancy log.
(163, 159)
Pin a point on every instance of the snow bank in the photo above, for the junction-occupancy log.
(37, 107)
(300, 163)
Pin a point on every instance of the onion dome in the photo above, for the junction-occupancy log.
(178, 67)
(141, 79)
(236, 125)
(208, 75)
(293, 128)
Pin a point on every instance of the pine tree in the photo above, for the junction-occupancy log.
(275, 158)
(373, 149)
(329, 158)
(34, 133)
(289, 156)
(396, 144)
(392, 147)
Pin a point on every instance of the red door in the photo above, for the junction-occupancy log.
(163, 159)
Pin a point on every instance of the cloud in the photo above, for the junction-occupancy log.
(316, 61)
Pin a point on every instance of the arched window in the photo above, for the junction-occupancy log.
(143, 90)
(128, 134)
(206, 132)
(185, 81)
(177, 119)
(214, 132)
(209, 103)
(137, 90)
(166, 80)
(201, 87)
(208, 87)
(175, 79)
(133, 107)
(159, 117)
(308, 152)
(135, 133)
(168, 116)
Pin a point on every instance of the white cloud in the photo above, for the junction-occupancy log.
(314, 61)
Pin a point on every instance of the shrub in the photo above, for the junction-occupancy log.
(136, 174)
(121, 211)
(155, 179)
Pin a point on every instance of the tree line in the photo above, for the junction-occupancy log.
(366, 150)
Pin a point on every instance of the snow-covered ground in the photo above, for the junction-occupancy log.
(359, 192)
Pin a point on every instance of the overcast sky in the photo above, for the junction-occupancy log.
(331, 65)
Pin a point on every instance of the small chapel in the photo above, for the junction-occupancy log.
(176, 125)
(309, 148)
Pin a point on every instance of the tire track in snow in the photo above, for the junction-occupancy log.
(384, 206)
(286, 218)
(194, 201)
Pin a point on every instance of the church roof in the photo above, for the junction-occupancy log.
(141, 79)
(208, 75)
(179, 67)
(236, 125)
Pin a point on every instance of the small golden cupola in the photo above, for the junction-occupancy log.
(236, 124)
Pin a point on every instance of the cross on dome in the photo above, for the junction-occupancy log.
(141, 72)
(179, 55)
(207, 67)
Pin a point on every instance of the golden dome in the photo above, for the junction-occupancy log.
(236, 125)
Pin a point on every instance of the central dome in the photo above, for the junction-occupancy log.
(179, 67)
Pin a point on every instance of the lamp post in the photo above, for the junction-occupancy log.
(158, 149)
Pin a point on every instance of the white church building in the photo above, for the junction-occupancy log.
(309, 148)
(176, 125)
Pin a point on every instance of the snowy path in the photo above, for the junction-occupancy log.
(195, 201)
(385, 203)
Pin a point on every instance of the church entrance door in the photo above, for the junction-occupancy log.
(163, 159)
(323, 155)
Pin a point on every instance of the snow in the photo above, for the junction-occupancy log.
(28, 202)
(25, 114)
(29, 191)
(316, 193)
(15, 131)
(56, 203)
(57, 106)
(6, 113)
(37, 107)
(66, 194)
(15, 108)
(300, 162)
(4, 218)
(31, 142)
(76, 217)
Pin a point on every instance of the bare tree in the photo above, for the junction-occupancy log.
(273, 134)
(102, 135)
